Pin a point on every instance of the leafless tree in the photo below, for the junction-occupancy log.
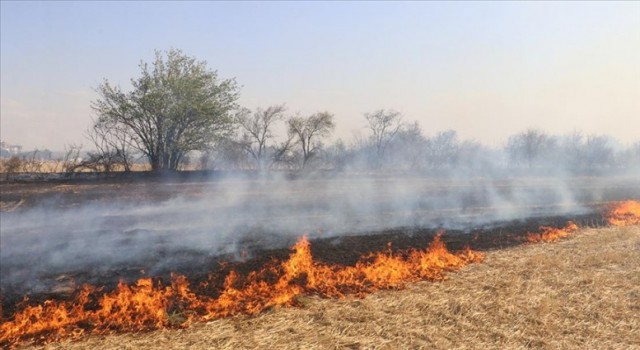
(13, 165)
(409, 146)
(112, 147)
(443, 149)
(257, 132)
(225, 154)
(589, 153)
(529, 146)
(337, 155)
(306, 132)
(32, 163)
(598, 152)
(384, 125)
(572, 150)
(71, 160)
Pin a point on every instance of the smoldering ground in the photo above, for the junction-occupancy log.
(230, 217)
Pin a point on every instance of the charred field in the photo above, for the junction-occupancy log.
(62, 235)
(346, 250)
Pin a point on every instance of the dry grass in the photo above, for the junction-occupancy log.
(581, 293)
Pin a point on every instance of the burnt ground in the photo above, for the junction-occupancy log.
(343, 250)
(255, 247)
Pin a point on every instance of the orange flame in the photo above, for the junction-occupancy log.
(624, 214)
(552, 234)
(150, 305)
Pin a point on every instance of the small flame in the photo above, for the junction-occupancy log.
(625, 213)
(552, 234)
(148, 305)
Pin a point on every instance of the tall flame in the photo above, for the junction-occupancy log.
(148, 304)
(624, 214)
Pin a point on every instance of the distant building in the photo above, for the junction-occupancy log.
(7, 150)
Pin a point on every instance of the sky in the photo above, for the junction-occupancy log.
(485, 69)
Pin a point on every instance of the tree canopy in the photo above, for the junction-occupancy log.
(175, 106)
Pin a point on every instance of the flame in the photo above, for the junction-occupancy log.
(624, 214)
(552, 234)
(148, 304)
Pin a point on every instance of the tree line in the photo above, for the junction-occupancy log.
(178, 112)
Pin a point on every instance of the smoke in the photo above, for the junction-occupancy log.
(227, 217)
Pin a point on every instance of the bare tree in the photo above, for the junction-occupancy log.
(529, 146)
(409, 146)
(306, 131)
(226, 154)
(72, 160)
(13, 165)
(337, 155)
(572, 149)
(256, 133)
(443, 149)
(581, 153)
(598, 152)
(384, 126)
(112, 147)
(32, 163)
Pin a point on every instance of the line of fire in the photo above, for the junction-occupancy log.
(177, 302)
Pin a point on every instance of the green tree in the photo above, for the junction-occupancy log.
(176, 106)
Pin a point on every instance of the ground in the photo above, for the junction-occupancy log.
(580, 293)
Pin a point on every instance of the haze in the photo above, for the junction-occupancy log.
(487, 70)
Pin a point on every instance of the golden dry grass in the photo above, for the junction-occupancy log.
(580, 293)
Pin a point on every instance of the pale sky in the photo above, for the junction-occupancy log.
(485, 69)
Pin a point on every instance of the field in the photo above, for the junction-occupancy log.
(580, 292)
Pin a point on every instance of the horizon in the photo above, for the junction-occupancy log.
(486, 70)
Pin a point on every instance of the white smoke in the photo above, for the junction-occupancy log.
(229, 215)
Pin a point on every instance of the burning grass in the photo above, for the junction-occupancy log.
(299, 280)
(150, 305)
(624, 214)
(581, 293)
(551, 234)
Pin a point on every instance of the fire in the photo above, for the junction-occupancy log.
(552, 234)
(148, 304)
(624, 214)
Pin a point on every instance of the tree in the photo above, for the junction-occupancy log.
(529, 146)
(598, 153)
(307, 130)
(177, 105)
(384, 126)
(443, 149)
(112, 147)
(256, 133)
(409, 146)
(572, 150)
